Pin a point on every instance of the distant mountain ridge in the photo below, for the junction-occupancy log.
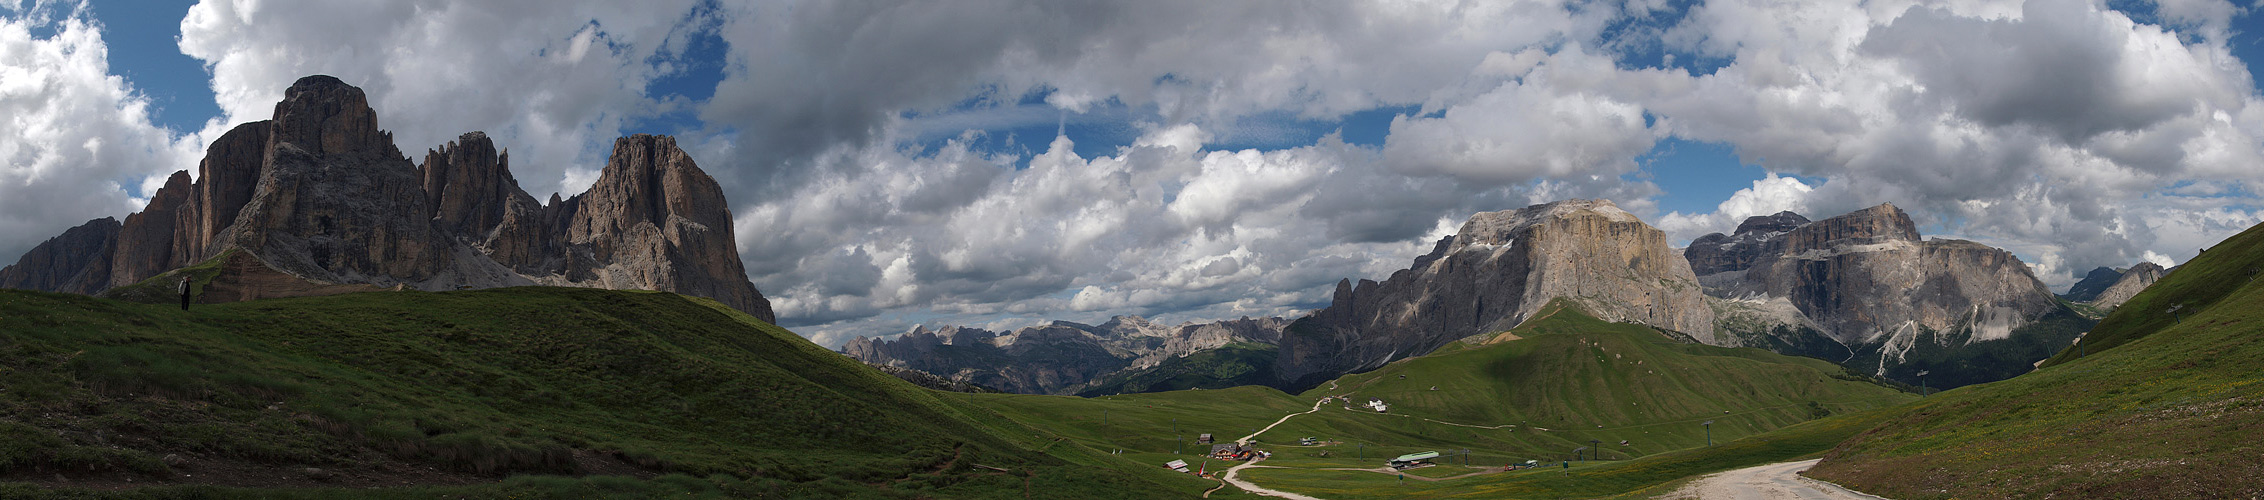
(1862, 289)
(2088, 288)
(1061, 357)
(319, 193)
(2132, 281)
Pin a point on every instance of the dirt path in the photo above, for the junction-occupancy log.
(1778, 481)
(1230, 474)
(1253, 487)
(1284, 418)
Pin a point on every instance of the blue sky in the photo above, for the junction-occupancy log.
(1694, 176)
(891, 163)
(142, 37)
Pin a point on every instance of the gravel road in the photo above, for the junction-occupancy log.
(1779, 481)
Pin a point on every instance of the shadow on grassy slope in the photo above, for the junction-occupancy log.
(482, 384)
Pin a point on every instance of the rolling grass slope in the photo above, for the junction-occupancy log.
(2158, 408)
(1537, 398)
(1585, 378)
(680, 394)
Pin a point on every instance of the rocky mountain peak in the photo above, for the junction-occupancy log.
(2127, 285)
(469, 186)
(2092, 283)
(1879, 224)
(318, 194)
(649, 179)
(652, 208)
(1134, 326)
(1501, 268)
(323, 115)
(1495, 228)
(1758, 236)
(77, 261)
(1774, 223)
(1866, 285)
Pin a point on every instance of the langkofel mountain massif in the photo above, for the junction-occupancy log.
(317, 197)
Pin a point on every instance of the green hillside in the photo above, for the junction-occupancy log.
(2201, 283)
(678, 395)
(2158, 407)
(1569, 381)
(1583, 378)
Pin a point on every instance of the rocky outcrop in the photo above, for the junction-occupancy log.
(77, 261)
(469, 187)
(226, 180)
(337, 202)
(1897, 304)
(1755, 238)
(1494, 273)
(320, 194)
(655, 221)
(1867, 274)
(2128, 285)
(1056, 358)
(2096, 281)
(149, 234)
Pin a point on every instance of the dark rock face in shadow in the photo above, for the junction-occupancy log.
(320, 194)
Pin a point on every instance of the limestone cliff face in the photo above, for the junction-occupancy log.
(1757, 237)
(337, 202)
(226, 180)
(149, 234)
(1056, 358)
(1867, 275)
(469, 187)
(2128, 285)
(77, 261)
(319, 193)
(655, 221)
(1866, 290)
(1497, 271)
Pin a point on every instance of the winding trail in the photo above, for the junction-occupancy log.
(1253, 487)
(1284, 418)
(1229, 476)
(1778, 481)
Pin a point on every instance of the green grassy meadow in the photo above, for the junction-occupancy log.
(674, 394)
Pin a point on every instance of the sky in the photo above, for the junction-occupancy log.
(1001, 163)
